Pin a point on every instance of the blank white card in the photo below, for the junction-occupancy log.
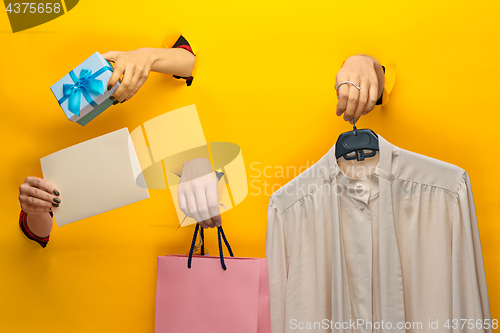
(94, 176)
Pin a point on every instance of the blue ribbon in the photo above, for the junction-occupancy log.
(83, 84)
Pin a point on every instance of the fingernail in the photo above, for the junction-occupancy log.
(123, 101)
(55, 205)
(217, 224)
(115, 102)
(57, 200)
(56, 192)
(111, 98)
(109, 86)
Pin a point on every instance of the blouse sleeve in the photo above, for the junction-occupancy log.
(23, 223)
(470, 293)
(277, 266)
(182, 43)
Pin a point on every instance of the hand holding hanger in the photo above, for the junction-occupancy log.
(359, 84)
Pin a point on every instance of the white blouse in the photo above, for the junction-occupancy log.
(395, 251)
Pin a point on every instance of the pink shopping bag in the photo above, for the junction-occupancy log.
(202, 294)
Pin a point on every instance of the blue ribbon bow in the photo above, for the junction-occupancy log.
(83, 84)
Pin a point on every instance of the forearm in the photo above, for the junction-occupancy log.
(40, 224)
(176, 61)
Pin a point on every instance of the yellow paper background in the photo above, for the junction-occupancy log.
(264, 81)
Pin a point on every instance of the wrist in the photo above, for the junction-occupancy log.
(198, 160)
(36, 215)
(150, 54)
(363, 57)
(40, 224)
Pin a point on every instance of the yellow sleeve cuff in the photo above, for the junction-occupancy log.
(390, 79)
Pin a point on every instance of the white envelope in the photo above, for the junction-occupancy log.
(95, 176)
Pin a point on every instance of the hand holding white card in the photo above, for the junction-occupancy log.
(94, 176)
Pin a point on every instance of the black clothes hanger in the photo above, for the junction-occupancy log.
(357, 141)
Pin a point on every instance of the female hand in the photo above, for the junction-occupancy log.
(198, 194)
(134, 66)
(367, 73)
(37, 195)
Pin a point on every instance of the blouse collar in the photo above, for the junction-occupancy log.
(386, 167)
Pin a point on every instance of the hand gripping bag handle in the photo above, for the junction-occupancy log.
(220, 232)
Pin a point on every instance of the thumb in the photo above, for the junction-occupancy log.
(110, 56)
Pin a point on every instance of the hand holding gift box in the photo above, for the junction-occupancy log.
(81, 93)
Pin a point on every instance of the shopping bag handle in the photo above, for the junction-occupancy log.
(220, 233)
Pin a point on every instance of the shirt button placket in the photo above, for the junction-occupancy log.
(361, 191)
